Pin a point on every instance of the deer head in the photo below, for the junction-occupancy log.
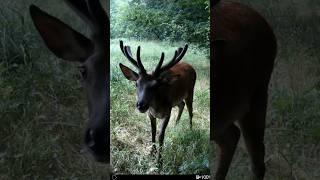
(93, 56)
(149, 85)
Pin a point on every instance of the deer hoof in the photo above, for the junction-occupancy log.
(153, 150)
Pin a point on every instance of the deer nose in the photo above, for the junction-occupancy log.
(96, 144)
(142, 106)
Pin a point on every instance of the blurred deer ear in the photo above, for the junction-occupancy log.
(60, 38)
(128, 73)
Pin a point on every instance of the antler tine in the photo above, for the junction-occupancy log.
(160, 63)
(125, 53)
(142, 69)
(179, 50)
(175, 54)
(182, 53)
(128, 54)
(121, 47)
(176, 58)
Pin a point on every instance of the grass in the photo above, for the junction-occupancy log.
(185, 151)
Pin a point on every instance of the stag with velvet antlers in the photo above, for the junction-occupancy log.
(92, 55)
(158, 92)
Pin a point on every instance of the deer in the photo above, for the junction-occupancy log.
(243, 51)
(158, 92)
(92, 56)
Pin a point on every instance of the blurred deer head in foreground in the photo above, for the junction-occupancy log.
(167, 86)
(93, 56)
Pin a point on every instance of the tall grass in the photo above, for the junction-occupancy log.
(185, 150)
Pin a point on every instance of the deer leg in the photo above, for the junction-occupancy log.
(181, 107)
(164, 124)
(227, 142)
(189, 100)
(252, 127)
(153, 133)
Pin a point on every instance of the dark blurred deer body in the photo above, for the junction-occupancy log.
(92, 54)
(168, 86)
(244, 49)
(174, 94)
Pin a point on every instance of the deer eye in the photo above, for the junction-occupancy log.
(83, 72)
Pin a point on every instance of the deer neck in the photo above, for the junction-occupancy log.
(160, 107)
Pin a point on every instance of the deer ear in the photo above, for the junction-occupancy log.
(128, 73)
(60, 38)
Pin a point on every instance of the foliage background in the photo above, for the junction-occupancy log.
(167, 20)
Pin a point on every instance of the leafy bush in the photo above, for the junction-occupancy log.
(166, 20)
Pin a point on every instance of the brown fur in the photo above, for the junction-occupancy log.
(181, 88)
(244, 50)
